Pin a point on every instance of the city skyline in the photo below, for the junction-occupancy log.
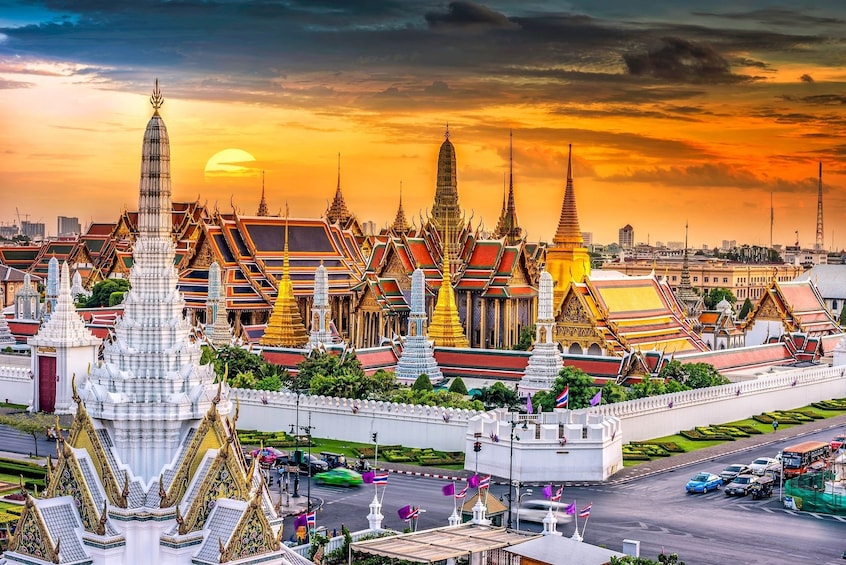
(675, 114)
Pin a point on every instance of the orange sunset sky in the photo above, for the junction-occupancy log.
(676, 110)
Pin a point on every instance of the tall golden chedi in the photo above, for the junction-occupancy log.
(567, 259)
(445, 329)
(285, 327)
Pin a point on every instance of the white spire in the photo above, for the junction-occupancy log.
(418, 355)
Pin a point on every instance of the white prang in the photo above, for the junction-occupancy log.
(77, 290)
(320, 334)
(545, 361)
(418, 355)
(65, 338)
(151, 386)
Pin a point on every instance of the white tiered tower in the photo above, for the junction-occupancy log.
(218, 332)
(51, 295)
(418, 356)
(62, 348)
(545, 361)
(320, 333)
(151, 385)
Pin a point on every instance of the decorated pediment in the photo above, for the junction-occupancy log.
(768, 310)
(83, 435)
(203, 257)
(252, 536)
(224, 479)
(395, 269)
(573, 311)
(68, 479)
(32, 537)
(210, 434)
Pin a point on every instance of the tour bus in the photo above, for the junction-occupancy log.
(802, 457)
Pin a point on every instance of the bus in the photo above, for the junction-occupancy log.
(800, 458)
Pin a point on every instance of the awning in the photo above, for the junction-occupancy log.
(438, 544)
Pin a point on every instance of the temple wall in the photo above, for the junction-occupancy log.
(658, 416)
(355, 420)
(15, 379)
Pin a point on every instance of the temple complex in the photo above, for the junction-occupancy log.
(152, 471)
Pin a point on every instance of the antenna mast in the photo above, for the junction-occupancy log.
(820, 243)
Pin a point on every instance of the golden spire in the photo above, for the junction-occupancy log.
(445, 329)
(567, 259)
(400, 225)
(285, 327)
(157, 100)
(337, 210)
(262, 209)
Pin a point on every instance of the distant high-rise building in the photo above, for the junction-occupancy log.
(728, 244)
(32, 229)
(68, 226)
(675, 245)
(626, 237)
(587, 236)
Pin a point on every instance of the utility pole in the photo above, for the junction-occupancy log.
(307, 429)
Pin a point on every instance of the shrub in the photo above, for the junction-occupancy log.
(458, 386)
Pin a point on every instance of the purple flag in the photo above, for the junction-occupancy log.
(597, 398)
(449, 489)
(404, 512)
(529, 407)
(571, 508)
(473, 481)
(547, 491)
(368, 476)
(301, 520)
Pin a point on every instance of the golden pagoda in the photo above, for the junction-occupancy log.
(445, 329)
(567, 259)
(285, 327)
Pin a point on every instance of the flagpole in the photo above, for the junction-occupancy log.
(454, 506)
(585, 525)
(576, 534)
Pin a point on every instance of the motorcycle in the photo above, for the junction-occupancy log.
(362, 465)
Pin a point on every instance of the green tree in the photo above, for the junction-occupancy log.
(116, 298)
(842, 319)
(612, 392)
(582, 389)
(527, 336)
(716, 295)
(457, 386)
(423, 383)
(646, 388)
(326, 364)
(745, 309)
(693, 375)
(271, 382)
(102, 291)
(498, 396)
(33, 424)
(663, 559)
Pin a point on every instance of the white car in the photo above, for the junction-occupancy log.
(537, 510)
(763, 464)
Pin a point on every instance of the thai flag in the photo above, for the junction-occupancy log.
(311, 519)
(415, 513)
(585, 512)
(380, 479)
(563, 399)
(485, 482)
(557, 496)
(462, 493)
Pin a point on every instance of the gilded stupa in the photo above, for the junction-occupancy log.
(152, 470)
(567, 260)
(445, 329)
(285, 327)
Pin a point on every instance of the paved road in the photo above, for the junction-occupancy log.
(16, 441)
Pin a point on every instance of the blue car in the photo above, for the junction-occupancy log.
(703, 482)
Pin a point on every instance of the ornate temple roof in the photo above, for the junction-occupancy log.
(337, 212)
(798, 304)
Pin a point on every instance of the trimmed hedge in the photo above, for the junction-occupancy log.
(833, 404)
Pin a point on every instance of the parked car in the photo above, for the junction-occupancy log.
(741, 485)
(839, 442)
(537, 510)
(729, 473)
(269, 456)
(763, 464)
(703, 482)
(339, 476)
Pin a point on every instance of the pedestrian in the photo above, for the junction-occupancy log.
(775, 425)
(334, 532)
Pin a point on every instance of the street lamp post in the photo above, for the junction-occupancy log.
(295, 429)
(307, 429)
(511, 471)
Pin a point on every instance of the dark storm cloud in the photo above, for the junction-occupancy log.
(683, 61)
(820, 99)
(806, 78)
(777, 17)
(464, 14)
(715, 175)
(337, 53)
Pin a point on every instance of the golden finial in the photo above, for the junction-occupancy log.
(162, 493)
(74, 392)
(157, 99)
(125, 492)
(446, 133)
(101, 525)
(11, 537)
(56, 551)
(221, 547)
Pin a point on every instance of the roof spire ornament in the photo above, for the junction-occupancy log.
(156, 100)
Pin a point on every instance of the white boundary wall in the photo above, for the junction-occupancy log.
(355, 420)
(15, 379)
(658, 416)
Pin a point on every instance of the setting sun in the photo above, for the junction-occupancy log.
(230, 162)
